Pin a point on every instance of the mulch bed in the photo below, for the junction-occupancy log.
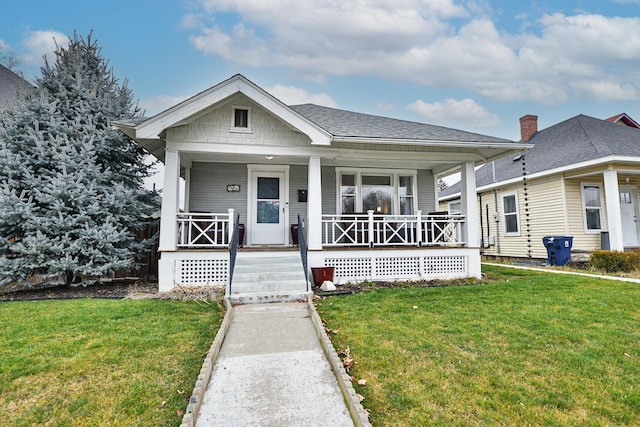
(112, 289)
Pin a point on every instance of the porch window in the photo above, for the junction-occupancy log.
(592, 207)
(241, 119)
(386, 193)
(455, 208)
(511, 221)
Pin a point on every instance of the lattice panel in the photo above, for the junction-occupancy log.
(203, 272)
(445, 265)
(350, 267)
(404, 267)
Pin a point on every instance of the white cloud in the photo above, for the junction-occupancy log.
(4, 46)
(293, 96)
(440, 43)
(159, 103)
(37, 44)
(450, 111)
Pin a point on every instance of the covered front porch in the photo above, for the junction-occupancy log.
(380, 244)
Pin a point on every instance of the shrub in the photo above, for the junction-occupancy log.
(613, 261)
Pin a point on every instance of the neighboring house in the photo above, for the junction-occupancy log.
(10, 85)
(363, 186)
(580, 179)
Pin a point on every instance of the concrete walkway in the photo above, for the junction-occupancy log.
(272, 370)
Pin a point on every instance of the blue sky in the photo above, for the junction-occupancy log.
(475, 65)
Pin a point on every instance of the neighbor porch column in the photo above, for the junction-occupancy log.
(314, 205)
(469, 208)
(614, 218)
(170, 202)
(469, 205)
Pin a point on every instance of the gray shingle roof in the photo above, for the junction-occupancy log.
(342, 123)
(10, 84)
(578, 139)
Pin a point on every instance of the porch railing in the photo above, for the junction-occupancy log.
(373, 230)
(302, 244)
(205, 230)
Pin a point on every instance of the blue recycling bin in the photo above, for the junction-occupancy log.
(558, 249)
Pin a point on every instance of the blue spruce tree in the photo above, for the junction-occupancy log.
(71, 195)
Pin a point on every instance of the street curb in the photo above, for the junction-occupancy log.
(197, 395)
(358, 414)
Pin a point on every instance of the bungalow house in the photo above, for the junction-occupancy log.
(580, 179)
(360, 189)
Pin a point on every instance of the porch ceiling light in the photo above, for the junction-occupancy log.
(268, 157)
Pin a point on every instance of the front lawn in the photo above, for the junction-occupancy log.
(93, 362)
(526, 348)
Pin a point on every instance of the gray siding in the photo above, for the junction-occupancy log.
(328, 190)
(297, 181)
(209, 188)
(426, 191)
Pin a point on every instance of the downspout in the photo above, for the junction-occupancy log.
(497, 219)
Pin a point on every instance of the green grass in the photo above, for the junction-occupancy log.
(96, 362)
(526, 348)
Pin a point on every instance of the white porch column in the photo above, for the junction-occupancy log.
(469, 205)
(314, 205)
(170, 202)
(614, 219)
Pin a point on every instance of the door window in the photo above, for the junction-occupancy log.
(268, 202)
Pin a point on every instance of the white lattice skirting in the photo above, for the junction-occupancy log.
(202, 272)
(398, 268)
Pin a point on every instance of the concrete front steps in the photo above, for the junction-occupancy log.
(268, 277)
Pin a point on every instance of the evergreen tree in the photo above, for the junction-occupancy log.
(71, 196)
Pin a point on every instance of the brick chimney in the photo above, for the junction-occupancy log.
(528, 127)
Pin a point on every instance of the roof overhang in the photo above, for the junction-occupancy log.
(604, 162)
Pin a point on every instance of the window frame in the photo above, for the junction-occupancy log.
(503, 196)
(241, 129)
(583, 186)
(394, 174)
(450, 207)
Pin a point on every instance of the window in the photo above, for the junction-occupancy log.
(405, 188)
(384, 192)
(241, 119)
(511, 221)
(455, 208)
(592, 207)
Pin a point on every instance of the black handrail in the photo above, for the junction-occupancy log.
(302, 244)
(233, 248)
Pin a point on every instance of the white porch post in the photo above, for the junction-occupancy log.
(170, 202)
(469, 208)
(614, 218)
(187, 187)
(314, 205)
(469, 205)
(169, 220)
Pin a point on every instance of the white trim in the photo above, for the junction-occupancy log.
(394, 174)
(504, 214)
(584, 208)
(252, 169)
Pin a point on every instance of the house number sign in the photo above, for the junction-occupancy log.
(233, 188)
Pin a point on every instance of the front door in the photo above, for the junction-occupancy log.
(629, 215)
(268, 208)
